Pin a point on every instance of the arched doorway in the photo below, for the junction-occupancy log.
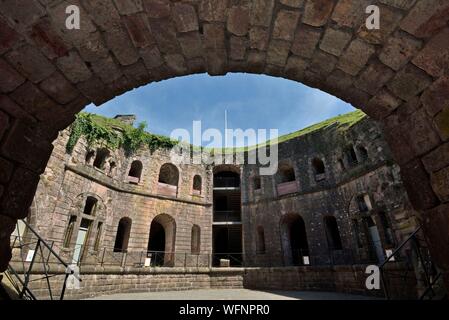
(161, 241)
(122, 236)
(294, 240)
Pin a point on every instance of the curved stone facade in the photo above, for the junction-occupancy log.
(345, 175)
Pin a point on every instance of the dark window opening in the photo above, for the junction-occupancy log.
(69, 232)
(298, 240)
(100, 159)
(135, 171)
(257, 183)
(332, 233)
(89, 156)
(363, 153)
(286, 174)
(195, 244)
(197, 184)
(112, 166)
(90, 206)
(169, 174)
(156, 244)
(260, 245)
(226, 179)
(122, 237)
(351, 156)
(389, 238)
(357, 235)
(318, 166)
(361, 203)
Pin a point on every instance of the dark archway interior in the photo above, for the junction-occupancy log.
(332, 233)
(156, 243)
(298, 240)
(123, 233)
(169, 174)
(136, 169)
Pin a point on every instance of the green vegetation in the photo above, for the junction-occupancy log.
(342, 122)
(114, 134)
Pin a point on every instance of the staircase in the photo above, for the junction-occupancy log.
(34, 260)
(409, 271)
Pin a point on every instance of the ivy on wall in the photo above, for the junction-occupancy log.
(114, 134)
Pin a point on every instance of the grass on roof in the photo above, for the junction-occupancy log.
(342, 122)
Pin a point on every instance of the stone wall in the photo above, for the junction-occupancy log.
(332, 193)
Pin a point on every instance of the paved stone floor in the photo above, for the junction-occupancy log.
(233, 294)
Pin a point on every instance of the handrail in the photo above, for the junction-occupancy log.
(400, 247)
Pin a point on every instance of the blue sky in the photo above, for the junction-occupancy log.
(252, 101)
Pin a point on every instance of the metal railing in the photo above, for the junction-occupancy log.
(34, 259)
(417, 272)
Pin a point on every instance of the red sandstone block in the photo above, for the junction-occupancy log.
(417, 184)
(426, 17)
(57, 87)
(139, 30)
(285, 25)
(8, 36)
(316, 13)
(350, 13)
(409, 82)
(157, 8)
(31, 63)
(437, 159)
(436, 97)
(127, 7)
(238, 20)
(10, 78)
(374, 77)
(49, 42)
(434, 58)
(398, 50)
(20, 193)
(356, 56)
(442, 123)
(185, 17)
(4, 124)
(261, 12)
(440, 183)
(435, 225)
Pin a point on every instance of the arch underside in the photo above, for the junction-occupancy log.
(398, 75)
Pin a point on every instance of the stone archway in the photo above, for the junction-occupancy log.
(398, 75)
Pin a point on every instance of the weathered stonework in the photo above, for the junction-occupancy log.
(35, 44)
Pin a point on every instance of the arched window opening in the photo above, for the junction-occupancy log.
(195, 244)
(122, 237)
(351, 156)
(161, 242)
(257, 183)
(226, 179)
(332, 233)
(135, 172)
(294, 240)
(287, 174)
(260, 244)
(90, 206)
(363, 153)
(197, 185)
(98, 236)
(388, 233)
(100, 158)
(168, 180)
(318, 169)
(69, 231)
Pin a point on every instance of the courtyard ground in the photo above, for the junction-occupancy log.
(233, 294)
